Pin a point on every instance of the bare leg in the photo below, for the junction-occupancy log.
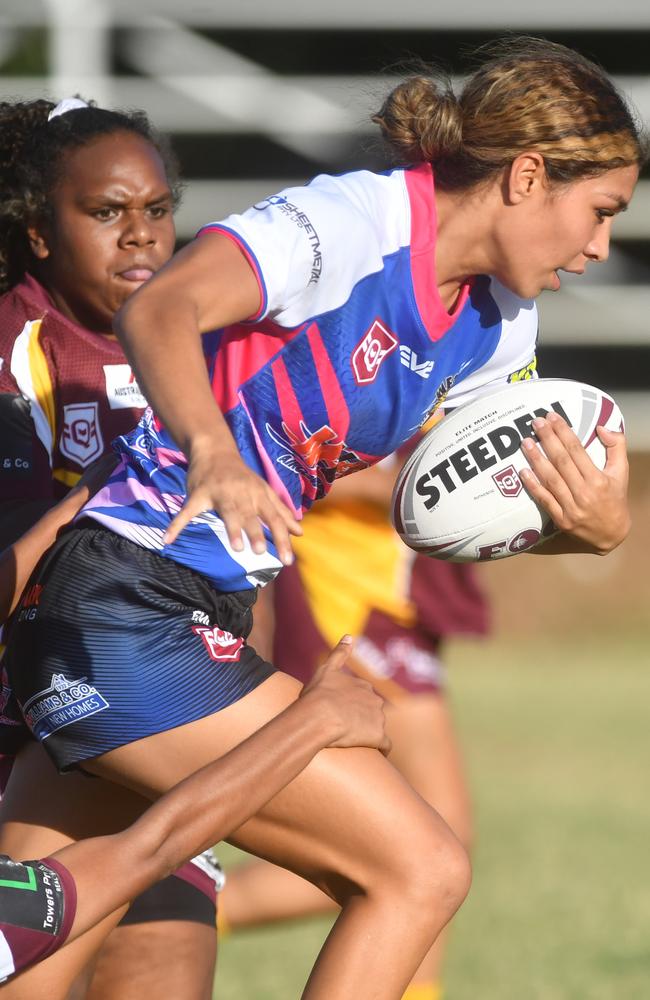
(41, 812)
(425, 751)
(349, 823)
(165, 958)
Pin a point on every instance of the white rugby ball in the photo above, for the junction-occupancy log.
(459, 496)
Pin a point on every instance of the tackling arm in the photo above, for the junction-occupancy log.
(336, 709)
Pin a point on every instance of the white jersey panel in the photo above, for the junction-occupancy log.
(314, 244)
(514, 354)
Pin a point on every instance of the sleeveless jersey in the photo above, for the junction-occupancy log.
(65, 393)
(350, 353)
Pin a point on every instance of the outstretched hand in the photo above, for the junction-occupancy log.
(357, 707)
(221, 481)
(581, 500)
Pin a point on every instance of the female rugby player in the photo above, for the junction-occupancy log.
(311, 294)
(85, 218)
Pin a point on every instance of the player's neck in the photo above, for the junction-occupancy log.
(463, 246)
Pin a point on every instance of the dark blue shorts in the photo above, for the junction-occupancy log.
(113, 642)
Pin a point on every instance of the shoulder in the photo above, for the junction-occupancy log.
(377, 202)
(357, 205)
(15, 312)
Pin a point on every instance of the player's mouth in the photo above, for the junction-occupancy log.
(136, 275)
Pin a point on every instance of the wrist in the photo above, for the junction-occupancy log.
(325, 721)
(318, 725)
(202, 446)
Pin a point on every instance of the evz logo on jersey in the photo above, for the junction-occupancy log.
(409, 359)
(81, 439)
(508, 482)
(368, 356)
(122, 390)
(221, 645)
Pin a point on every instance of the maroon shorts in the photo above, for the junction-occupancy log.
(37, 906)
(189, 894)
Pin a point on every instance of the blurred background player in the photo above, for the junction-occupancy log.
(86, 217)
(352, 568)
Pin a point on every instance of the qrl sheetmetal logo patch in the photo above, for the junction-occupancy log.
(61, 704)
(369, 355)
(508, 482)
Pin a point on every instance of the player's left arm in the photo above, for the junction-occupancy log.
(587, 505)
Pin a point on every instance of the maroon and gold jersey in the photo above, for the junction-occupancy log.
(65, 393)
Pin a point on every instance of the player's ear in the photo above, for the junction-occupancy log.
(526, 176)
(38, 241)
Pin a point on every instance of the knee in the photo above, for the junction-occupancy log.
(436, 874)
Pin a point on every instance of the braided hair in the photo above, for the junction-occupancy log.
(33, 151)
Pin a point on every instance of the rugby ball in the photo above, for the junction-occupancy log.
(459, 496)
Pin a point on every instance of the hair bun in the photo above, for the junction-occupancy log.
(422, 120)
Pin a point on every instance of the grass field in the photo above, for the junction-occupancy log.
(558, 751)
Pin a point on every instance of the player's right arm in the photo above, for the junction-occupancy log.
(25, 474)
(18, 560)
(208, 285)
(335, 710)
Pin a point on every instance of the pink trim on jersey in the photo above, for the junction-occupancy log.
(424, 225)
(337, 408)
(241, 354)
(123, 494)
(169, 456)
(254, 266)
(272, 475)
(290, 410)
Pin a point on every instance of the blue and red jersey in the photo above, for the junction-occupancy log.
(351, 351)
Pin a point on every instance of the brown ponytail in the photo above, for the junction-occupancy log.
(527, 94)
(422, 119)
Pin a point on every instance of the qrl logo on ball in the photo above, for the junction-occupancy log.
(508, 482)
(376, 345)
